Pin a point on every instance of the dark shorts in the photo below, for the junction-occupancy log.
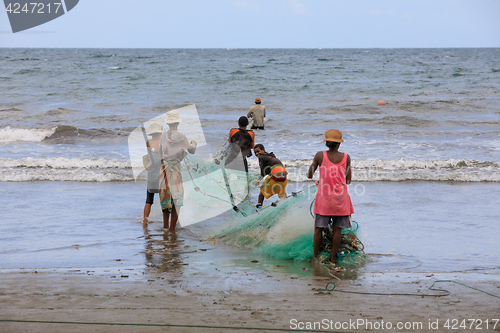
(257, 127)
(321, 221)
(150, 197)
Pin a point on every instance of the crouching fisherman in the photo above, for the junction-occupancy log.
(275, 173)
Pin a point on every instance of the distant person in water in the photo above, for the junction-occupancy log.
(154, 157)
(241, 142)
(275, 173)
(333, 203)
(258, 113)
(174, 145)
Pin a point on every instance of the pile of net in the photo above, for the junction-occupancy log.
(285, 229)
(351, 250)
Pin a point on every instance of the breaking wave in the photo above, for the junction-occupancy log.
(107, 170)
(64, 169)
(8, 134)
(460, 170)
(58, 134)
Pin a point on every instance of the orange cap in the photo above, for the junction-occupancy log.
(333, 135)
(257, 100)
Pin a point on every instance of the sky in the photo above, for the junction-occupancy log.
(266, 24)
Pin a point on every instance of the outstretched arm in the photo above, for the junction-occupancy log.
(315, 163)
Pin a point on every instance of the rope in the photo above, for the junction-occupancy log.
(250, 193)
(196, 188)
(161, 325)
(462, 284)
(311, 208)
(227, 189)
(444, 291)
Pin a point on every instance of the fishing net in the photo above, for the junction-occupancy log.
(351, 249)
(284, 230)
(215, 186)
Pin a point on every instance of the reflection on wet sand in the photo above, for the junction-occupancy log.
(167, 253)
(341, 272)
(163, 251)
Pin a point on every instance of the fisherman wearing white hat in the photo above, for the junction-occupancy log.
(174, 145)
(154, 158)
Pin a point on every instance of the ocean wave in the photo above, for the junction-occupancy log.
(27, 175)
(107, 170)
(452, 176)
(460, 170)
(409, 164)
(8, 134)
(65, 163)
(64, 169)
(58, 134)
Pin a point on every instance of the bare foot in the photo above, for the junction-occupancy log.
(329, 263)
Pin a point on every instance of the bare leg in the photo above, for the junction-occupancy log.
(336, 238)
(166, 217)
(261, 198)
(147, 211)
(318, 235)
(175, 217)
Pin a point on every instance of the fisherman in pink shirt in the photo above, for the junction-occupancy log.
(333, 203)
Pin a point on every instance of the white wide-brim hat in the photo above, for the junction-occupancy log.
(155, 128)
(173, 117)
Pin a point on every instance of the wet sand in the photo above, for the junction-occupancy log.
(227, 299)
(153, 281)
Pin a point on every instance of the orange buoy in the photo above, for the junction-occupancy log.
(381, 103)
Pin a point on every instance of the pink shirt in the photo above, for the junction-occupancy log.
(332, 197)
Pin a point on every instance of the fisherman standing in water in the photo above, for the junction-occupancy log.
(333, 203)
(173, 150)
(154, 155)
(241, 141)
(258, 113)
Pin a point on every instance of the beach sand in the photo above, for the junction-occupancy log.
(201, 300)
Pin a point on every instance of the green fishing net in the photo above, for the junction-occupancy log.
(215, 190)
(351, 249)
(284, 230)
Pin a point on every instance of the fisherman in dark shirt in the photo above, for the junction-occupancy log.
(271, 167)
(241, 141)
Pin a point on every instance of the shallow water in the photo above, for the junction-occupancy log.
(405, 227)
(425, 166)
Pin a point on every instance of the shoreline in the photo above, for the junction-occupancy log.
(232, 300)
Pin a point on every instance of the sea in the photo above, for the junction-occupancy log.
(425, 166)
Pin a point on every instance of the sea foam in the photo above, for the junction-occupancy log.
(8, 134)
